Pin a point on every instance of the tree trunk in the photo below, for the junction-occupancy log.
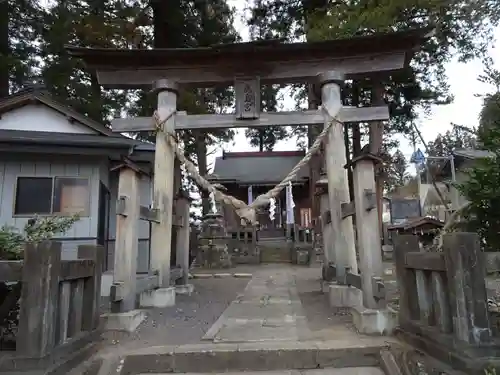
(168, 22)
(356, 139)
(376, 137)
(98, 9)
(310, 7)
(356, 130)
(201, 155)
(4, 48)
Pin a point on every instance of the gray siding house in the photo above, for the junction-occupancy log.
(464, 159)
(55, 161)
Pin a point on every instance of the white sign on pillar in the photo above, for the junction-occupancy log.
(247, 94)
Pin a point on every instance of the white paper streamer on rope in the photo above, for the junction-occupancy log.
(212, 201)
(290, 204)
(250, 195)
(272, 208)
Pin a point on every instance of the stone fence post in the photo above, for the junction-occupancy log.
(39, 299)
(467, 290)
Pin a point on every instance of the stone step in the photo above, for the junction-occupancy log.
(255, 356)
(274, 255)
(325, 371)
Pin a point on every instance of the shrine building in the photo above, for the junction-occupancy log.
(246, 175)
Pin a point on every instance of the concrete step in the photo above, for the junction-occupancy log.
(256, 356)
(326, 371)
(269, 254)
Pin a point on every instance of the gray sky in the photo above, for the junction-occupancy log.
(463, 85)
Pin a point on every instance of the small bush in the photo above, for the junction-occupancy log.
(37, 229)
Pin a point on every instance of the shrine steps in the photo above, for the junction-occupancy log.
(266, 358)
(326, 371)
(274, 250)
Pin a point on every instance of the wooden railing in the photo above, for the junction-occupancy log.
(242, 245)
(443, 307)
(58, 306)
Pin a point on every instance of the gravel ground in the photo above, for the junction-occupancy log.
(315, 303)
(188, 320)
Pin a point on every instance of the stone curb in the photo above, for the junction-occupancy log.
(219, 275)
(259, 356)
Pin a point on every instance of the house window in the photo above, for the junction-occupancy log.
(52, 195)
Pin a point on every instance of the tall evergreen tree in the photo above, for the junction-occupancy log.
(19, 29)
(87, 23)
(265, 138)
(463, 27)
(397, 175)
(189, 23)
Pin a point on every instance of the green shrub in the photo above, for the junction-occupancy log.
(36, 230)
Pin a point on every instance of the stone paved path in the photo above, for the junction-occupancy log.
(277, 320)
(271, 309)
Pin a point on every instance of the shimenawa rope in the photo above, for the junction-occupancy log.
(246, 212)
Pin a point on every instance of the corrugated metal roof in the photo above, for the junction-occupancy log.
(71, 139)
(255, 168)
(460, 156)
(472, 154)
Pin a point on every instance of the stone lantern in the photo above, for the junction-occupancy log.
(213, 241)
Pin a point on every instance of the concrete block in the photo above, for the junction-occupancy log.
(128, 321)
(106, 281)
(388, 272)
(242, 275)
(162, 297)
(302, 257)
(346, 353)
(202, 275)
(375, 322)
(184, 289)
(387, 252)
(344, 296)
(221, 275)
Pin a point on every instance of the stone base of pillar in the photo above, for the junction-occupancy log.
(375, 322)
(162, 297)
(186, 289)
(128, 321)
(344, 296)
(329, 272)
(325, 287)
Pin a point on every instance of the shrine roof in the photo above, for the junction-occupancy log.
(258, 167)
(417, 223)
(251, 56)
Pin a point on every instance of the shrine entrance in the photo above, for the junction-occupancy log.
(275, 306)
(325, 65)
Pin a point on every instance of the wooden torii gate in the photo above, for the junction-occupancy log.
(246, 66)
